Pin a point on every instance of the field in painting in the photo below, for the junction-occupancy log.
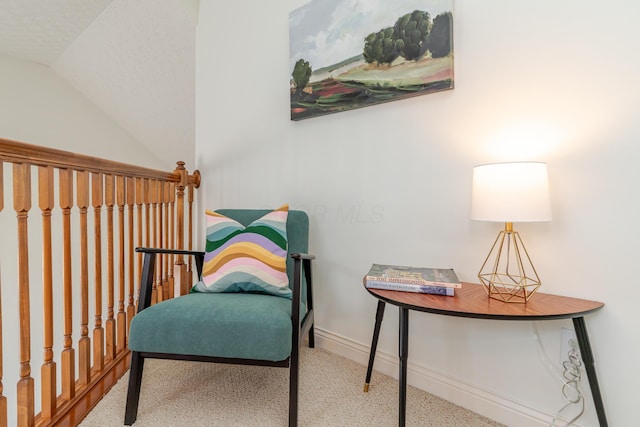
(353, 84)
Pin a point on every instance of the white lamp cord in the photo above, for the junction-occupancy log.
(570, 378)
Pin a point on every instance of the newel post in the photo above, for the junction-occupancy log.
(180, 274)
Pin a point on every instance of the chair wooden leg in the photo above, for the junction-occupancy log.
(293, 387)
(312, 338)
(133, 392)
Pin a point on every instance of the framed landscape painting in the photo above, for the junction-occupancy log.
(346, 54)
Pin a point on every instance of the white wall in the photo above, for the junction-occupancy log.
(39, 107)
(547, 81)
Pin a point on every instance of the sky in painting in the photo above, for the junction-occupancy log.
(325, 32)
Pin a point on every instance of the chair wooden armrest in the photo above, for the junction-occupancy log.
(148, 266)
(302, 256)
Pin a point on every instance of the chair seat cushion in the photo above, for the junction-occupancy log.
(232, 325)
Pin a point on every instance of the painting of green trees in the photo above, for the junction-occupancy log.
(346, 55)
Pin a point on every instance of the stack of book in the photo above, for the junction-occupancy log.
(439, 281)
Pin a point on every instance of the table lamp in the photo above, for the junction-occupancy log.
(510, 192)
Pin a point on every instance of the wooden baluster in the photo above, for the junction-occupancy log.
(84, 344)
(159, 241)
(48, 369)
(22, 204)
(122, 317)
(147, 225)
(131, 199)
(153, 198)
(97, 196)
(109, 200)
(147, 211)
(165, 223)
(139, 202)
(172, 239)
(190, 230)
(68, 353)
(180, 269)
(3, 399)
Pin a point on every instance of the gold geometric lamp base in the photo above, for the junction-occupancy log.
(507, 273)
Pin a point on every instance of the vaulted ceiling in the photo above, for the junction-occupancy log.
(134, 59)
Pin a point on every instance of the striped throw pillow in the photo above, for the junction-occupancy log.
(251, 259)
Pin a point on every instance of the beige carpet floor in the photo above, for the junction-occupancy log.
(202, 394)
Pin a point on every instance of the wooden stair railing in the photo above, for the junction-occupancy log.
(83, 270)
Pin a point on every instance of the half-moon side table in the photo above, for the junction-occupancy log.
(472, 301)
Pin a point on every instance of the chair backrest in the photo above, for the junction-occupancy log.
(297, 231)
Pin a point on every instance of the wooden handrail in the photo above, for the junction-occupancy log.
(93, 212)
(20, 152)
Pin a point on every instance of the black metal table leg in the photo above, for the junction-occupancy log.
(403, 353)
(374, 343)
(589, 366)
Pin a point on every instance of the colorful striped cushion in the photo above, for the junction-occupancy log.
(251, 259)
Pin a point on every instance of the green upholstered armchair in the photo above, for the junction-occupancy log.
(241, 328)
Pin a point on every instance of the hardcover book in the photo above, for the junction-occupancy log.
(425, 276)
(407, 287)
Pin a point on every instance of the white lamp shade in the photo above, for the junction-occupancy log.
(511, 192)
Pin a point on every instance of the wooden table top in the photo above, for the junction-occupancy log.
(471, 300)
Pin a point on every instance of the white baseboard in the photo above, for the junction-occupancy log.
(483, 402)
